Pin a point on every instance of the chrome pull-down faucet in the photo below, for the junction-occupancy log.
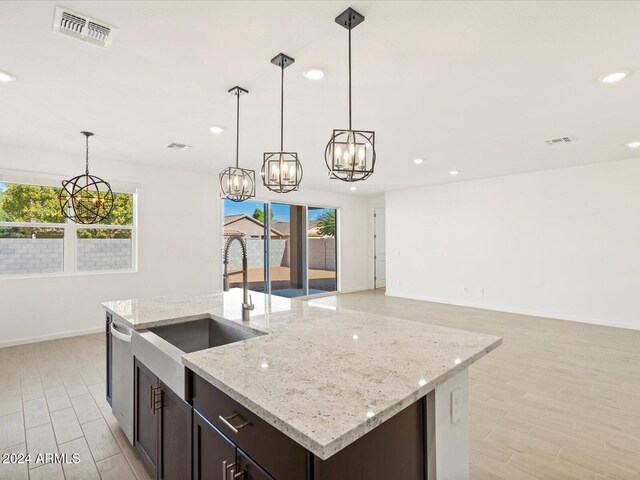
(247, 303)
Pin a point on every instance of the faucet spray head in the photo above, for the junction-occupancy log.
(225, 283)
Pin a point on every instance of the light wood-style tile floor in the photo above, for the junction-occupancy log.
(558, 400)
(52, 400)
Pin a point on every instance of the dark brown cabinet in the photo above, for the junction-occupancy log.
(162, 427)
(215, 457)
(268, 447)
(398, 448)
(249, 469)
(219, 439)
(213, 454)
(175, 436)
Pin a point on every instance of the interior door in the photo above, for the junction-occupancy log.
(380, 259)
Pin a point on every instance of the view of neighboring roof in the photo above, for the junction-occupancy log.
(245, 225)
(234, 226)
(284, 227)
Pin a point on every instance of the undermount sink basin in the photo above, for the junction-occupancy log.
(201, 334)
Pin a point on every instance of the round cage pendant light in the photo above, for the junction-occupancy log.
(86, 199)
(350, 154)
(238, 184)
(281, 171)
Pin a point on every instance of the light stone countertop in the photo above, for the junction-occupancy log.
(324, 376)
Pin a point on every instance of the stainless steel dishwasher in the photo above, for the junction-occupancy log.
(122, 377)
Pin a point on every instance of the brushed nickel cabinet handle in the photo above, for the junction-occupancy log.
(225, 467)
(233, 428)
(239, 474)
(157, 404)
(151, 397)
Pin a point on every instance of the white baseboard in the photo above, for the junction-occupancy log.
(354, 290)
(531, 313)
(54, 336)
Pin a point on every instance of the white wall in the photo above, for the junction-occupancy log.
(561, 243)
(173, 207)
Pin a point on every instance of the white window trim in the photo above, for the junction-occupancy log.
(70, 244)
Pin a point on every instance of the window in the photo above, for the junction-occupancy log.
(35, 238)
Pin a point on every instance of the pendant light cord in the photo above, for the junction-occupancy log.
(282, 107)
(86, 170)
(349, 74)
(237, 128)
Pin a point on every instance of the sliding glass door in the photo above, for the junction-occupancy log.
(246, 220)
(291, 249)
(287, 250)
(322, 250)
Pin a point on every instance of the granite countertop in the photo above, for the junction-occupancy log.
(322, 375)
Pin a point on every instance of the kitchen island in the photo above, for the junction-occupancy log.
(306, 390)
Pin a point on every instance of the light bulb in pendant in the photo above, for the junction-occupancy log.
(361, 157)
(338, 154)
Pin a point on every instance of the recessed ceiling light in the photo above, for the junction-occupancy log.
(418, 161)
(216, 130)
(633, 144)
(6, 77)
(314, 74)
(613, 77)
(353, 189)
(453, 173)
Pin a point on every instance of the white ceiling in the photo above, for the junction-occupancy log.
(473, 86)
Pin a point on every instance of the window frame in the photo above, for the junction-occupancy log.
(70, 239)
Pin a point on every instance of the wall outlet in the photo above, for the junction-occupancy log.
(456, 405)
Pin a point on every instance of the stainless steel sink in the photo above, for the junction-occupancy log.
(161, 348)
(201, 334)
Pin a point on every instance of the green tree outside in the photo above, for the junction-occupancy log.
(258, 214)
(40, 204)
(327, 223)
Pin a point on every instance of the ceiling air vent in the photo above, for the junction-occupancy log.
(178, 146)
(556, 141)
(82, 27)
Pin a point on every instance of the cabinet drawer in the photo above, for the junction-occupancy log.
(283, 458)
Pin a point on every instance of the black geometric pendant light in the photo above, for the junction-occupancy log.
(350, 154)
(281, 171)
(238, 184)
(86, 199)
